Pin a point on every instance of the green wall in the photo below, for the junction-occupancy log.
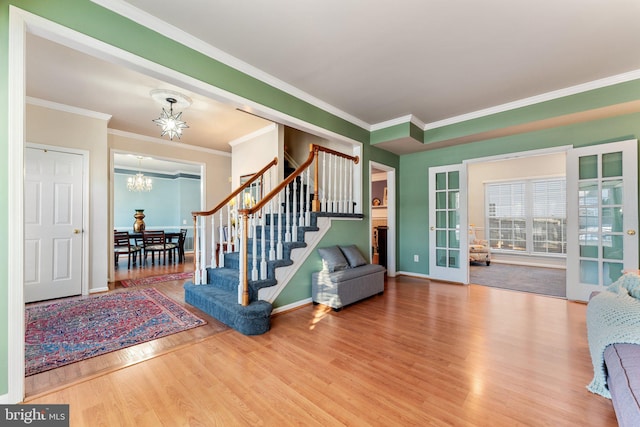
(413, 200)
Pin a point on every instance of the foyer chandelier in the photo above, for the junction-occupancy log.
(139, 182)
(171, 124)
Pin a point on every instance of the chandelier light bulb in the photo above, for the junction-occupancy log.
(171, 124)
(139, 182)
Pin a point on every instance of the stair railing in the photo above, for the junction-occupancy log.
(224, 232)
(333, 192)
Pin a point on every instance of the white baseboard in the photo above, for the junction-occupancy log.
(412, 274)
(291, 306)
(4, 399)
(98, 290)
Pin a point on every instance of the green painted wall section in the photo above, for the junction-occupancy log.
(391, 133)
(342, 232)
(597, 98)
(593, 99)
(413, 200)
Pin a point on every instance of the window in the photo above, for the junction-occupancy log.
(527, 216)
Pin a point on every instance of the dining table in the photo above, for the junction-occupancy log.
(169, 236)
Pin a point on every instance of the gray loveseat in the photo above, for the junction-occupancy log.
(613, 327)
(346, 277)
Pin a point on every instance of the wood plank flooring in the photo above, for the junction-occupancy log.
(424, 354)
(100, 365)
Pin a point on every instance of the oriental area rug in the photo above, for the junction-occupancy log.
(128, 283)
(66, 331)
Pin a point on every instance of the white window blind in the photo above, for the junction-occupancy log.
(527, 216)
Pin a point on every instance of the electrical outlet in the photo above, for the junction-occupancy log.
(416, 258)
(184, 222)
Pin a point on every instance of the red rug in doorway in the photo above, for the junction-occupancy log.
(155, 279)
(73, 329)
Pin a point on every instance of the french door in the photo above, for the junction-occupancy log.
(448, 235)
(602, 216)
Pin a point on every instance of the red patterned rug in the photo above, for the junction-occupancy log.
(155, 279)
(70, 330)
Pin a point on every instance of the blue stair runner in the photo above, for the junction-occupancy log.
(219, 296)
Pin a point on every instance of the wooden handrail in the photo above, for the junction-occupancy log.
(313, 152)
(196, 214)
(238, 190)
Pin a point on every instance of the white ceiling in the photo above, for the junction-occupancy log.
(367, 61)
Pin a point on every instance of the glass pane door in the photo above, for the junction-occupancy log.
(602, 212)
(447, 237)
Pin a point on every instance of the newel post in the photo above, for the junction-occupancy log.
(196, 248)
(244, 257)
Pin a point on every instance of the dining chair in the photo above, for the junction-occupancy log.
(122, 245)
(155, 241)
(181, 240)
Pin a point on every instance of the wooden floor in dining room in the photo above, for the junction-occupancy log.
(61, 377)
(424, 353)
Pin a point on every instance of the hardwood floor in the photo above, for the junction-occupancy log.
(100, 365)
(424, 353)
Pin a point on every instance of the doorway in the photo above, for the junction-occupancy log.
(382, 214)
(517, 208)
(54, 222)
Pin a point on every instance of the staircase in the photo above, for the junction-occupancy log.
(266, 232)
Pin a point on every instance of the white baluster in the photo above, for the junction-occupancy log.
(203, 252)
(350, 184)
(279, 248)
(294, 215)
(254, 251)
(243, 264)
(272, 227)
(213, 241)
(287, 207)
(263, 246)
(323, 207)
(196, 249)
(340, 185)
(301, 201)
(307, 200)
(221, 240)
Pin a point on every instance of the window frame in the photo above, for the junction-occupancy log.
(529, 219)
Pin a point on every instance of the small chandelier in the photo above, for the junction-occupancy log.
(139, 182)
(170, 123)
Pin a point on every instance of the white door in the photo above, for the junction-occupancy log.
(602, 216)
(53, 224)
(448, 255)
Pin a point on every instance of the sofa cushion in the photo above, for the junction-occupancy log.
(351, 273)
(333, 259)
(623, 368)
(353, 255)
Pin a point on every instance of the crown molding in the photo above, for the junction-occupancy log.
(548, 96)
(161, 141)
(145, 19)
(409, 118)
(67, 108)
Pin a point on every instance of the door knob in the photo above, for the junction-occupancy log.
(432, 228)
(76, 231)
(631, 232)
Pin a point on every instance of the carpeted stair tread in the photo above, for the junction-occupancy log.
(219, 297)
(222, 304)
